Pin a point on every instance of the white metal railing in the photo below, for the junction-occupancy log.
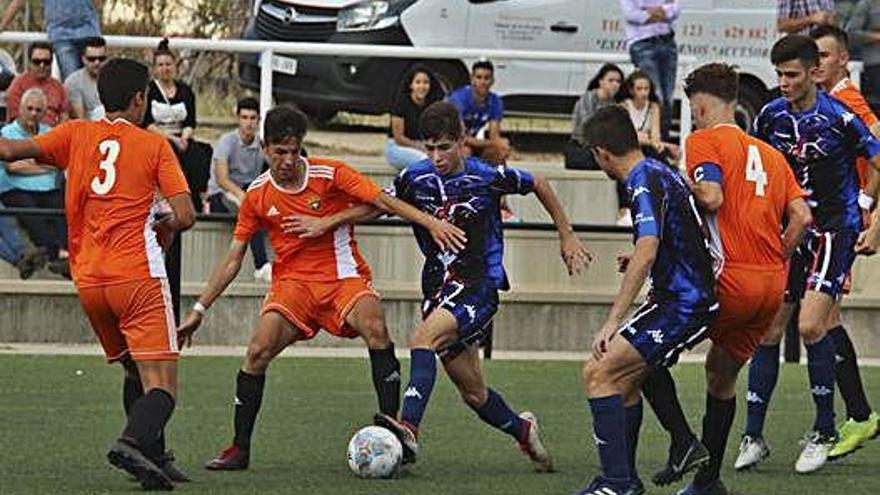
(267, 49)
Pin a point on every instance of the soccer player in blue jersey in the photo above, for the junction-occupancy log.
(461, 288)
(820, 138)
(671, 248)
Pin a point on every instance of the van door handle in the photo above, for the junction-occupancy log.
(561, 27)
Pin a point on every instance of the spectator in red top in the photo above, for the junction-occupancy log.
(38, 75)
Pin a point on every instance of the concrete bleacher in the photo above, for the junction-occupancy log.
(545, 310)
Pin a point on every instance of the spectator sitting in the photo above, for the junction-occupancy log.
(601, 92)
(481, 111)
(238, 160)
(38, 75)
(640, 100)
(419, 89)
(13, 248)
(30, 184)
(68, 24)
(82, 85)
(172, 113)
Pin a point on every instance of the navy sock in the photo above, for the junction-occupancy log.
(763, 373)
(820, 365)
(847, 376)
(609, 433)
(497, 413)
(633, 426)
(422, 374)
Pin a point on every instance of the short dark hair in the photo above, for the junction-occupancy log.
(716, 79)
(247, 103)
(610, 128)
(835, 32)
(119, 81)
(284, 122)
(163, 49)
(95, 42)
(795, 47)
(441, 120)
(483, 64)
(39, 45)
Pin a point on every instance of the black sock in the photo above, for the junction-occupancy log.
(386, 379)
(132, 390)
(659, 389)
(248, 398)
(633, 426)
(716, 428)
(847, 376)
(148, 417)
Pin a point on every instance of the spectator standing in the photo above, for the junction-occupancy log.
(404, 146)
(864, 32)
(172, 113)
(238, 160)
(601, 92)
(34, 185)
(650, 39)
(82, 85)
(800, 16)
(481, 111)
(39, 75)
(68, 24)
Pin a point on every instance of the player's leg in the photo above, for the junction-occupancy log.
(367, 319)
(274, 333)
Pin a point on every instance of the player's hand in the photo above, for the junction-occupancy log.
(602, 339)
(306, 227)
(164, 232)
(623, 262)
(447, 236)
(868, 242)
(186, 329)
(575, 255)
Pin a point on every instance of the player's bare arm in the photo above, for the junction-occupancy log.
(637, 270)
(224, 273)
(799, 217)
(708, 194)
(182, 217)
(574, 254)
(309, 227)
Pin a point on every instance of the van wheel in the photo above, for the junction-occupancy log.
(450, 75)
(751, 99)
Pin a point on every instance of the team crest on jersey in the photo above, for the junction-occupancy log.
(315, 203)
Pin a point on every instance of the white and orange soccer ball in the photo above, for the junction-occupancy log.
(374, 452)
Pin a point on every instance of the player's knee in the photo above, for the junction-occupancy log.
(375, 333)
(257, 358)
(719, 383)
(811, 329)
(474, 398)
(594, 374)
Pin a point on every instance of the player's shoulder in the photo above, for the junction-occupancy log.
(323, 168)
(259, 184)
(417, 169)
(774, 107)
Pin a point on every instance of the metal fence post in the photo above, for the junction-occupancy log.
(265, 85)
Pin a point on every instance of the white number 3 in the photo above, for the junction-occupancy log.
(755, 170)
(110, 150)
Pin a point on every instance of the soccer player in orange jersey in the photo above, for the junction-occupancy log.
(746, 188)
(115, 172)
(318, 281)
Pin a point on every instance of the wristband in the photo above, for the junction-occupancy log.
(200, 308)
(865, 202)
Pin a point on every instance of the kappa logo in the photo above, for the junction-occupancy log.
(599, 442)
(821, 391)
(413, 392)
(657, 335)
(272, 211)
(753, 398)
(471, 311)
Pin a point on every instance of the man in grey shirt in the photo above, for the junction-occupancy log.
(82, 85)
(237, 161)
(864, 31)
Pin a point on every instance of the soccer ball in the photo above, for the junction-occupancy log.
(374, 452)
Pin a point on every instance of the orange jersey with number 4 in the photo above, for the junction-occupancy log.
(114, 172)
(757, 184)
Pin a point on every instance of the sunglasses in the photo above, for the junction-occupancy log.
(99, 58)
(45, 62)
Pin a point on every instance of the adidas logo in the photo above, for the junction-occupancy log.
(393, 377)
(272, 212)
(838, 358)
(753, 398)
(237, 401)
(821, 391)
(413, 392)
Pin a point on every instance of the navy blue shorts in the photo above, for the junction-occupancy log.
(473, 308)
(660, 331)
(821, 263)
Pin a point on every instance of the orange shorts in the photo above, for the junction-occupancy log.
(133, 318)
(749, 297)
(312, 306)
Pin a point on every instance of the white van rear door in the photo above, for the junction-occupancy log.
(552, 25)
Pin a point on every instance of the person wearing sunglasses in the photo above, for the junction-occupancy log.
(39, 75)
(82, 85)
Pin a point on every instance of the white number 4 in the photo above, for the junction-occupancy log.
(110, 150)
(755, 170)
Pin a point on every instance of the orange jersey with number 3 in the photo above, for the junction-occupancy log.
(114, 172)
(757, 184)
(848, 93)
(330, 187)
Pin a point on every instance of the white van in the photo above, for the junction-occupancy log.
(734, 31)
